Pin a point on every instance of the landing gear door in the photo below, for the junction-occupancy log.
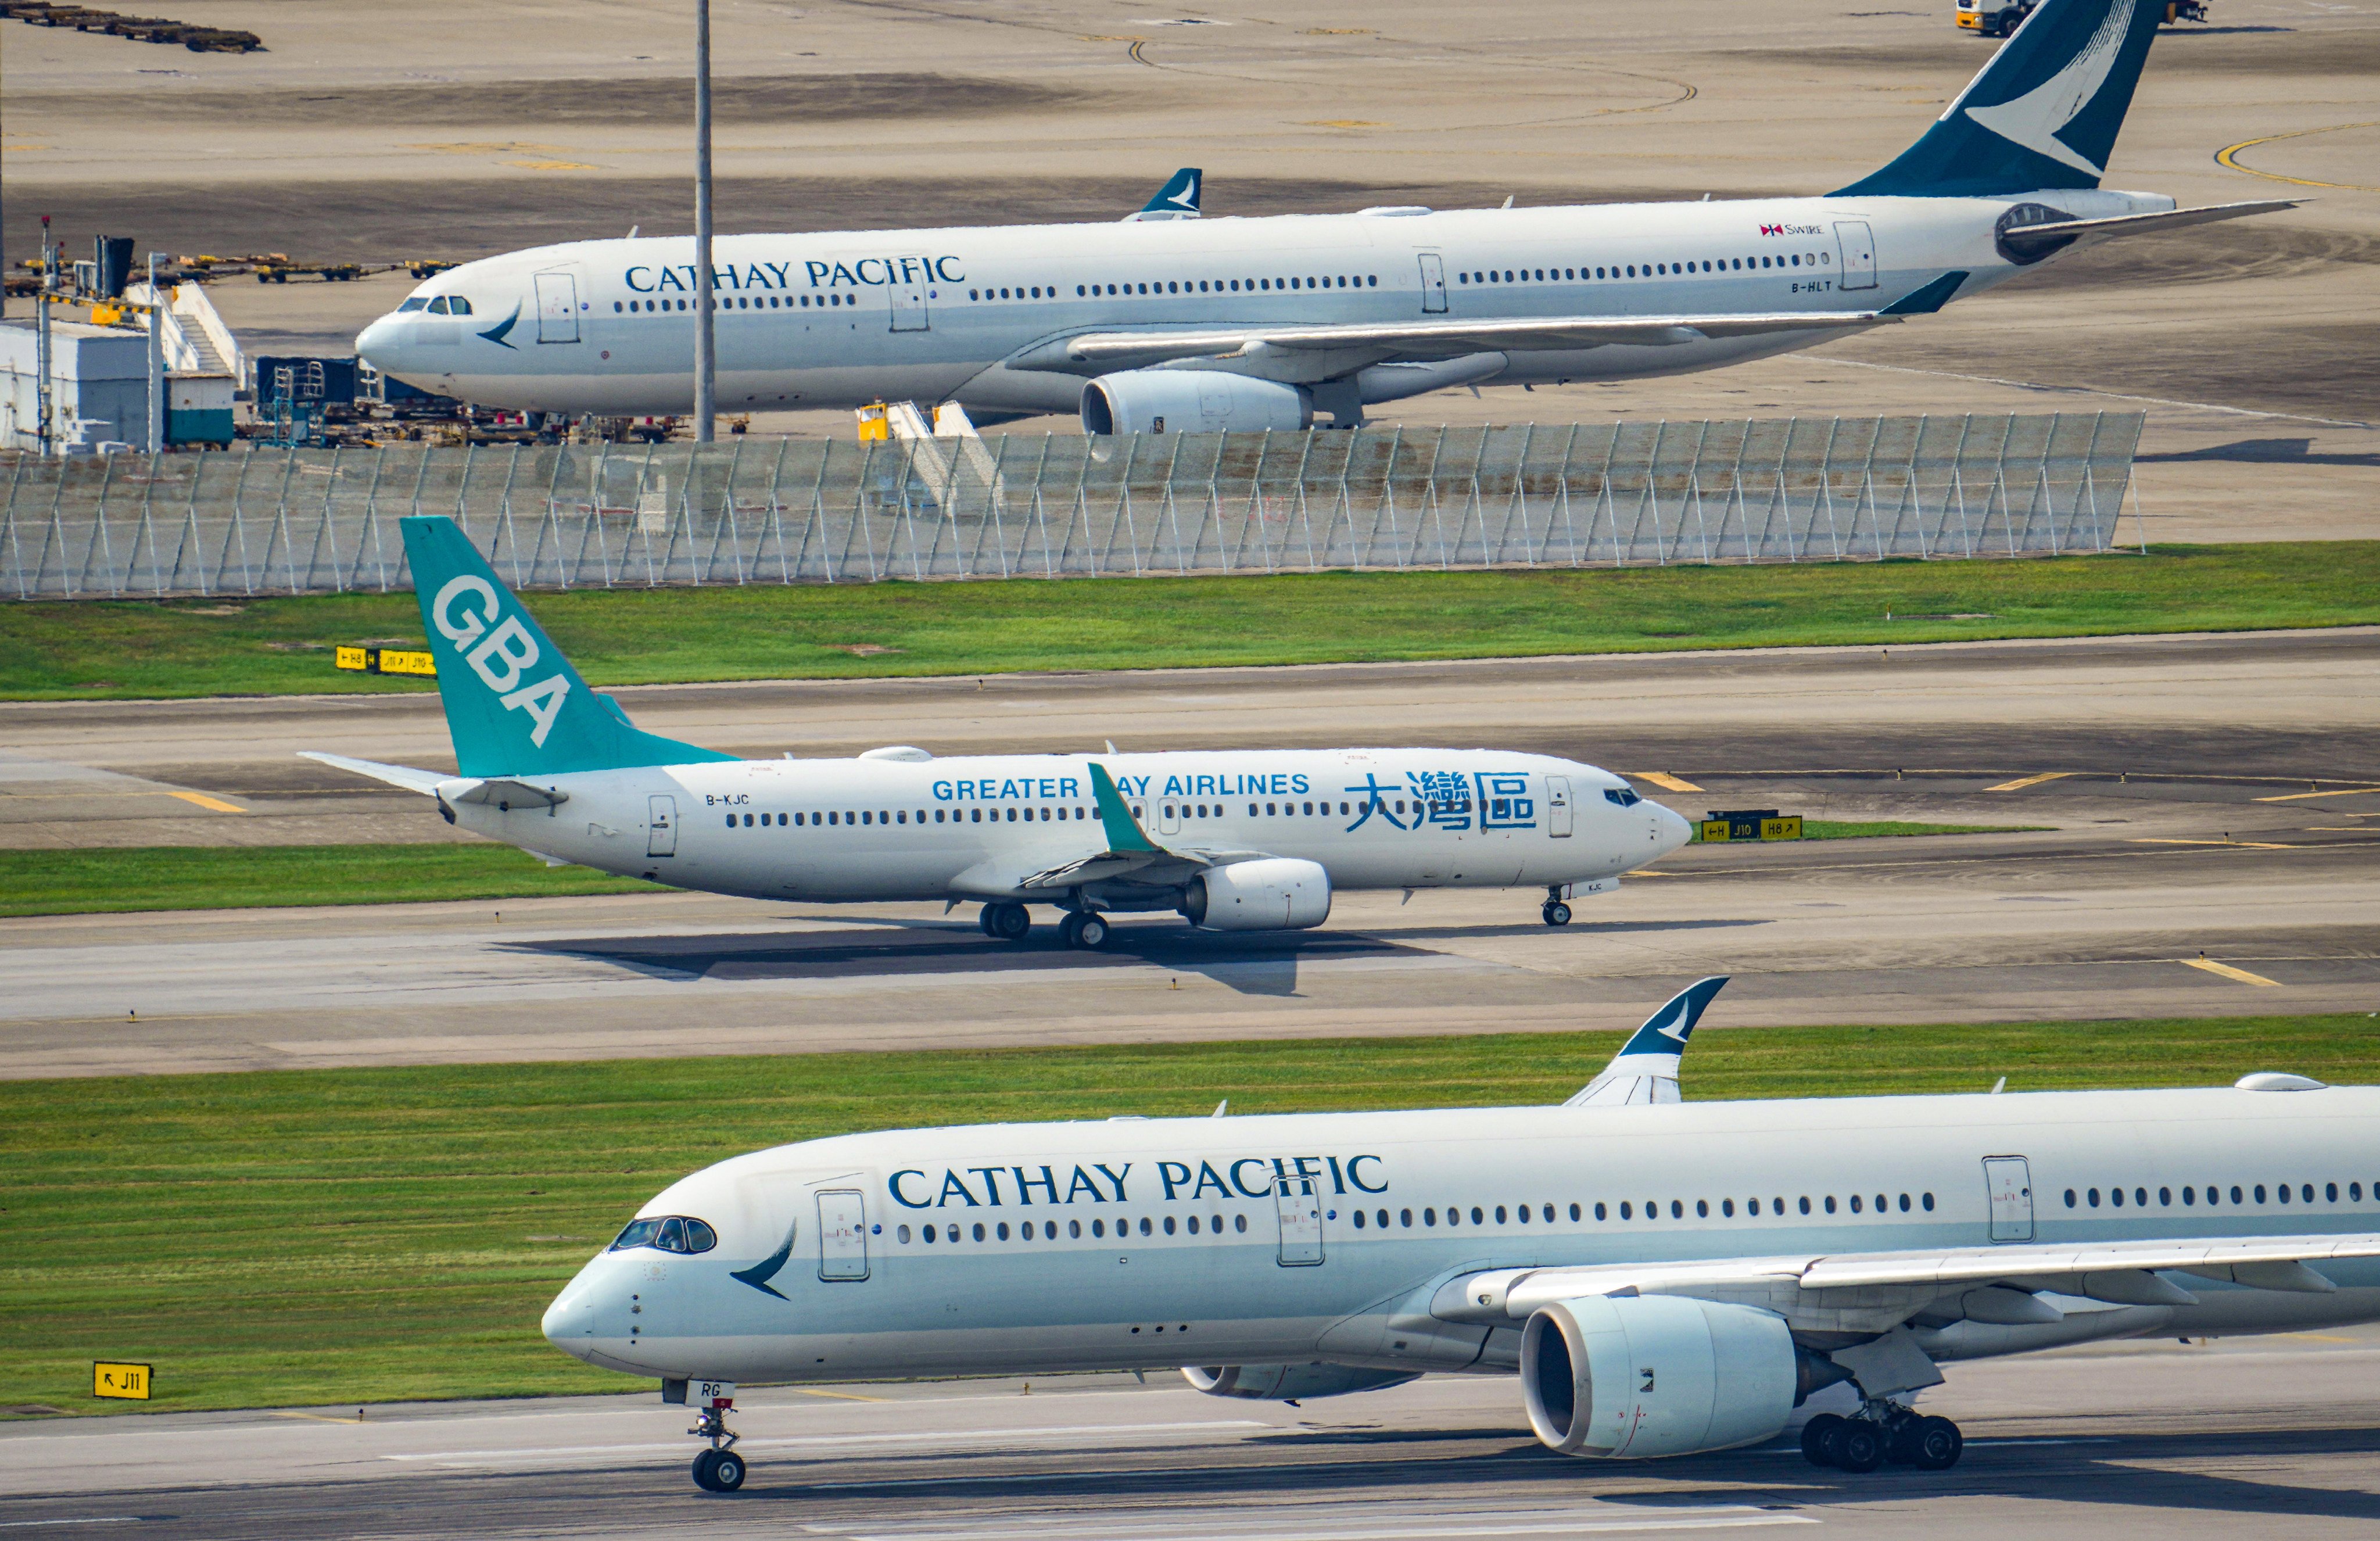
(910, 294)
(843, 1235)
(1857, 244)
(661, 827)
(557, 307)
(1558, 807)
(2009, 1181)
(1301, 1221)
(1433, 284)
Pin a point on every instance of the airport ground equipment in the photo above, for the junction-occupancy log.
(1998, 19)
(824, 511)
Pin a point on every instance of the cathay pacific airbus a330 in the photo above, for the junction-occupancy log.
(1659, 1278)
(1178, 324)
(1237, 839)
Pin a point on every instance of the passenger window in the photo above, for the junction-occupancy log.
(1926, 1200)
(1625, 1213)
(1677, 1210)
(1855, 1203)
(1830, 1204)
(1702, 1209)
(1805, 1204)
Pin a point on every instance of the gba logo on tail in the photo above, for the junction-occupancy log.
(499, 648)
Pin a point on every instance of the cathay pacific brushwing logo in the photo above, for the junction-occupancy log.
(2034, 119)
(1188, 196)
(497, 333)
(499, 648)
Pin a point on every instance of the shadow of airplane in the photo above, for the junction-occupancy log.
(2263, 452)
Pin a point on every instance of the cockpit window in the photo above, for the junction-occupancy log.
(457, 306)
(1621, 796)
(416, 303)
(667, 1233)
(438, 305)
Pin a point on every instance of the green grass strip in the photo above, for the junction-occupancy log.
(370, 1235)
(242, 876)
(124, 648)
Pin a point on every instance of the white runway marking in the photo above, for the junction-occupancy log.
(1350, 1522)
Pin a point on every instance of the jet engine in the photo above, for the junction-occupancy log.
(1655, 1375)
(1191, 401)
(1278, 893)
(1290, 1382)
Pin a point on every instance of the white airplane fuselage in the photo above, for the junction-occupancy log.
(877, 830)
(1140, 1243)
(841, 319)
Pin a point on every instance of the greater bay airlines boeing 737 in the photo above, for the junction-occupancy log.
(1660, 1278)
(1205, 325)
(1237, 839)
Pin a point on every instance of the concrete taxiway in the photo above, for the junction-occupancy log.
(2281, 1435)
(2200, 846)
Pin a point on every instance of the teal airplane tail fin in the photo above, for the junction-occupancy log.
(514, 706)
(1177, 200)
(2043, 115)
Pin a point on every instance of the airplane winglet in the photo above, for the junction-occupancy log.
(1123, 831)
(1666, 1030)
(1646, 1069)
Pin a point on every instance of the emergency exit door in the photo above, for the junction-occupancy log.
(1558, 807)
(1433, 284)
(557, 307)
(911, 295)
(1856, 242)
(661, 827)
(1301, 1221)
(2009, 1181)
(843, 1235)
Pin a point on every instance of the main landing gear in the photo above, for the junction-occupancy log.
(1085, 928)
(1006, 920)
(1556, 910)
(1879, 1434)
(718, 1469)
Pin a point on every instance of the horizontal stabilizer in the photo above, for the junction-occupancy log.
(2040, 241)
(424, 781)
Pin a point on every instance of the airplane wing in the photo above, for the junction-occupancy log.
(1125, 853)
(1340, 347)
(2040, 241)
(1646, 1069)
(1874, 1291)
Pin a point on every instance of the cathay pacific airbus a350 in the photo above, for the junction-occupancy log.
(1177, 324)
(1237, 839)
(1658, 1277)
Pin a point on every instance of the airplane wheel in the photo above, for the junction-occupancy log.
(1069, 926)
(983, 920)
(703, 1466)
(1090, 932)
(1822, 1439)
(727, 1471)
(1935, 1445)
(1860, 1447)
(1010, 921)
(1557, 913)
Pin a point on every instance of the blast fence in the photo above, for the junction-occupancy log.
(811, 511)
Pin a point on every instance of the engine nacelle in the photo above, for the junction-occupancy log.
(1655, 1375)
(1278, 893)
(1191, 401)
(1290, 1382)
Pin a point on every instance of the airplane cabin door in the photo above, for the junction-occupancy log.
(1433, 284)
(661, 826)
(910, 310)
(1558, 807)
(557, 307)
(2008, 1181)
(843, 1235)
(1301, 1222)
(1857, 243)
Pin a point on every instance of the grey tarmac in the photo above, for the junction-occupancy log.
(2278, 1437)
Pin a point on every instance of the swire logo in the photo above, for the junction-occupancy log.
(1772, 230)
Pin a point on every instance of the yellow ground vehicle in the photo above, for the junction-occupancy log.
(1998, 19)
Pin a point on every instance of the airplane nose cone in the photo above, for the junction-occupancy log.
(569, 1323)
(376, 341)
(1670, 829)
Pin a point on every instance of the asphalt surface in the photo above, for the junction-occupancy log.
(2200, 845)
(2278, 1438)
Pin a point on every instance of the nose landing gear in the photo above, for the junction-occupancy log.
(1556, 912)
(718, 1469)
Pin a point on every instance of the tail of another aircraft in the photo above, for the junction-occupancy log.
(1177, 200)
(2043, 114)
(514, 704)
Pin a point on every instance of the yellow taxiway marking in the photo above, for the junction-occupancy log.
(2022, 781)
(2242, 844)
(206, 802)
(2228, 972)
(2228, 157)
(1666, 781)
(2301, 796)
(839, 1396)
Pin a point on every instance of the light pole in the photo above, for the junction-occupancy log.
(706, 364)
(156, 361)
